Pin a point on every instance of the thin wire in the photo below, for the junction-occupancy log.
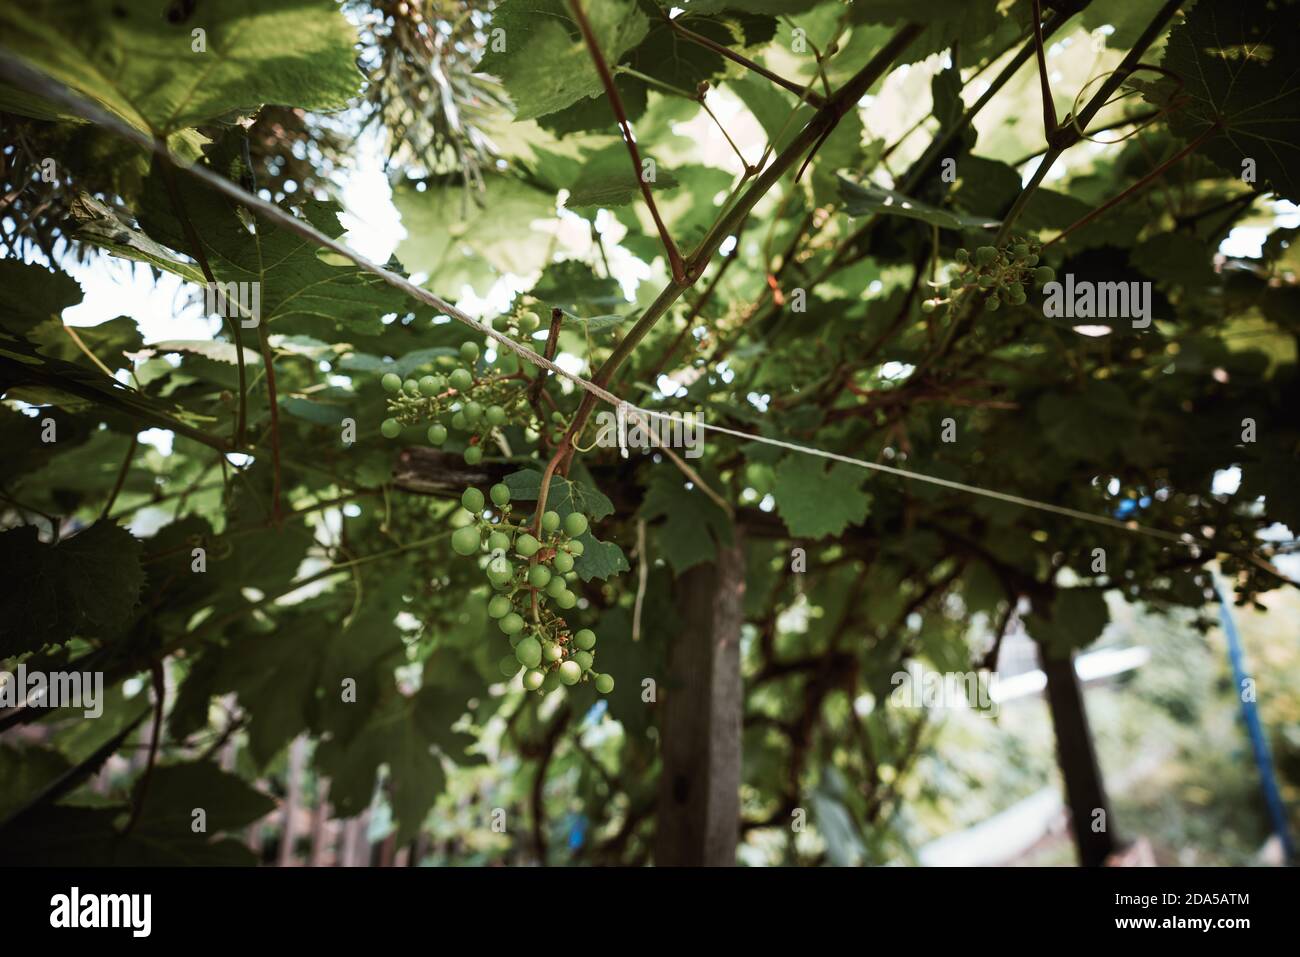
(1184, 539)
(24, 76)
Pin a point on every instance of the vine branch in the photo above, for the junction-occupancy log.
(616, 103)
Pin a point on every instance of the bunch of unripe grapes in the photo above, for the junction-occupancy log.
(1003, 272)
(529, 572)
(473, 400)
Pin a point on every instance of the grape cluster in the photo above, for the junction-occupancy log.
(469, 396)
(1003, 272)
(528, 573)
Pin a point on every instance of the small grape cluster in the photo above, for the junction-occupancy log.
(1003, 272)
(527, 573)
(471, 400)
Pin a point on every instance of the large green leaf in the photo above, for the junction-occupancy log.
(816, 501)
(693, 524)
(301, 290)
(87, 585)
(540, 55)
(1237, 63)
(458, 237)
(143, 66)
(861, 199)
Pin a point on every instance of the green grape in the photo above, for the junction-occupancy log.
(500, 571)
(555, 587)
(575, 523)
(585, 639)
(472, 499)
(566, 599)
(511, 624)
(552, 681)
(539, 576)
(928, 306)
(496, 415)
(1044, 274)
(558, 417)
(987, 282)
(500, 495)
(551, 651)
(550, 521)
(576, 548)
(961, 255)
(991, 303)
(462, 517)
(469, 351)
(473, 455)
(461, 379)
(533, 679)
(499, 606)
(459, 422)
(529, 321)
(390, 428)
(985, 255)
(509, 666)
(392, 382)
(526, 545)
(562, 562)
(604, 684)
(465, 541)
(437, 434)
(570, 673)
(498, 542)
(1015, 291)
(515, 639)
(411, 386)
(529, 652)
(584, 659)
(1020, 251)
(473, 412)
(429, 385)
(1031, 260)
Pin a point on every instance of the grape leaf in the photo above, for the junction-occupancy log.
(564, 496)
(398, 735)
(144, 68)
(31, 294)
(460, 237)
(543, 62)
(607, 179)
(175, 790)
(815, 501)
(1238, 66)
(598, 559)
(862, 199)
(693, 524)
(86, 585)
(299, 290)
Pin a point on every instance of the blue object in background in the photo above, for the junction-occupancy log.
(1128, 506)
(577, 830)
(1258, 742)
(595, 712)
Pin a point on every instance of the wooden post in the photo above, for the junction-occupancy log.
(1084, 792)
(322, 843)
(292, 799)
(698, 821)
